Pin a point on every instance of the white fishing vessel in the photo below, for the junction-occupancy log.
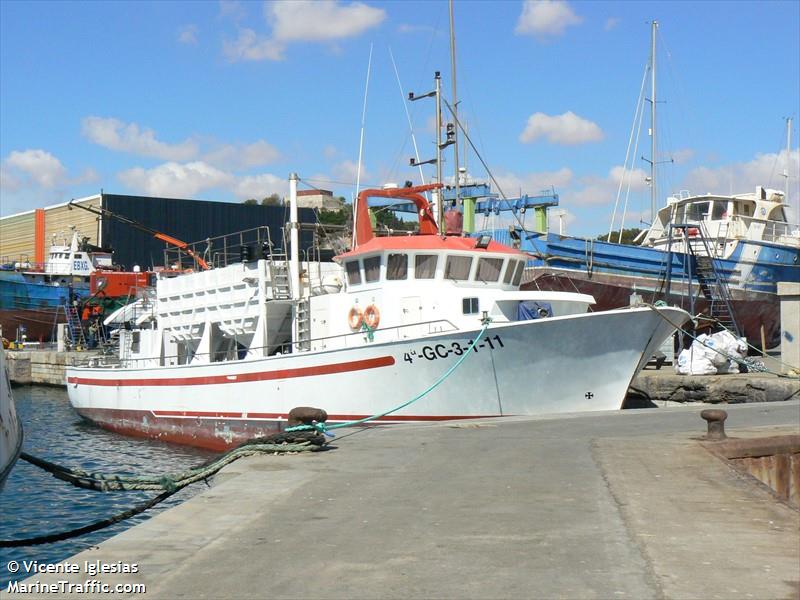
(10, 426)
(221, 356)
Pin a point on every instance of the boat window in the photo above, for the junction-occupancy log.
(512, 264)
(457, 267)
(518, 273)
(469, 306)
(397, 266)
(425, 266)
(372, 269)
(746, 209)
(679, 212)
(719, 210)
(489, 269)
(353, 272)
(696, 211)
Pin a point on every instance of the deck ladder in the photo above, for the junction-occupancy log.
(707, 272)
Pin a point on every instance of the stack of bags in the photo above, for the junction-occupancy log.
(715, 354)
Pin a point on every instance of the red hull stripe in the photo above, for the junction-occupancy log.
(282, 416)
(357, 365)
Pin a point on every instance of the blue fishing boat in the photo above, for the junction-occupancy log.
(32, 296)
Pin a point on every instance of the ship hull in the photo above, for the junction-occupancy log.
(555, 365)
(754, 311)
(10, 425)
(32, 305)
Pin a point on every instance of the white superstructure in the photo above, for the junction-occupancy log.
(223, 355)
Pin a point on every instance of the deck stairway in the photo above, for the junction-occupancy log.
(709, 279)
(77, 339)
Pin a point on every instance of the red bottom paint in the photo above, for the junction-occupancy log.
(216, 431)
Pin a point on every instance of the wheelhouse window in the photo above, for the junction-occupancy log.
(489, 269)
(719, 210)
(457, 267)
(518, 273)
(397, 267)
(469, 306)
(696, 211)
(353, 272)
(372, 269)
(425, 266)
(512, 264)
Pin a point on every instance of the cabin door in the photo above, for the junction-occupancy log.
(410, 313)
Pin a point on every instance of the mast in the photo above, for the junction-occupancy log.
(439, 199)
(653, 188)
(455, 101)
(788, 161)
(294, 241)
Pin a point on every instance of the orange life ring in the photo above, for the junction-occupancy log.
(355, 318)
(372, 316)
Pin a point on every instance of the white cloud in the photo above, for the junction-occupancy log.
(187, 180)
(316, 20)
(534, 183)
(567, 129)
(232, 9)
(347, 171)
(176, 180)
(188, 34)
(597, 191)
(765, 170)
(251, 46)
(243, 156)
(128, 137)
(38, 167)
(330, 151)
(302, 21)
(260, 186)
(8, 181)
(683, 155)
(546, 18)
(611, 23)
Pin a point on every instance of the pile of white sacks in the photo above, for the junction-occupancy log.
(712, 355)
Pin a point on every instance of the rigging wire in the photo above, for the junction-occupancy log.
(639, 108)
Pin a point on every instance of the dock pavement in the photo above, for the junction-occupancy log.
(612, 505)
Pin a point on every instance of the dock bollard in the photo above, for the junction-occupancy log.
(715, 418)
(306, 415)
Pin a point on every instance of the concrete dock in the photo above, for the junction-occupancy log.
(626, 504)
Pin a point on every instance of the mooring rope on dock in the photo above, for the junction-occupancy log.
(280, 443)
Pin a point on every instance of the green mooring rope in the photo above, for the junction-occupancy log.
(322, 427)
(167, 484)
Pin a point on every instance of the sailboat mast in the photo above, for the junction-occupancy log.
(653, 158)
(788, 161)
(455, 100)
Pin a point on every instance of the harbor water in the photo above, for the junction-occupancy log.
(34, 503)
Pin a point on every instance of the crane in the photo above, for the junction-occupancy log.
(104, 212)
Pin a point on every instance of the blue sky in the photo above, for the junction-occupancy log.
(222, 100)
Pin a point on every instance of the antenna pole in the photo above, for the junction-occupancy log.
(455, 100)
(439, 199)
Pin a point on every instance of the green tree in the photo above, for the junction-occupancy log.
(272, 200)
(251, 202)
(628, 235)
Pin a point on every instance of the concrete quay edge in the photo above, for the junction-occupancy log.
(623, 504)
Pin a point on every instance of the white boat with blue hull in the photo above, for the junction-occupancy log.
(10, 425)
(224, 355)
(747, 236)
